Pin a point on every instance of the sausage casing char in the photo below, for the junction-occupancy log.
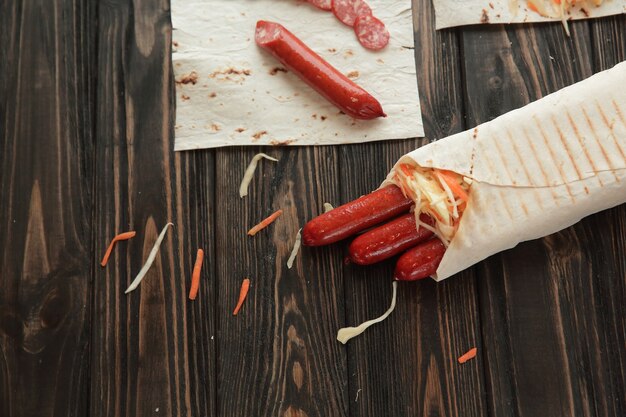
(356, 216)
(316, 72)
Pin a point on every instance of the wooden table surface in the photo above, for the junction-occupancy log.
(86, 129)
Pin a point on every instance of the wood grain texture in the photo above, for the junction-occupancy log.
(45, 229)
(432, 324)
(86, 151)
(605, 236)
(148, 357)
(278, 356)
(544, 327)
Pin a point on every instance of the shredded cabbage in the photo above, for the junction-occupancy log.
(559, 9)
(247, 177)
(434, 196)
(296, 248)
(144, 270)
(347, 333)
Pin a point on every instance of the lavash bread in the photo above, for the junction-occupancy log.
(535, 170)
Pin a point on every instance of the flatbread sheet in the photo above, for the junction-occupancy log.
(449, 13)
(231, 92)
(535, 170)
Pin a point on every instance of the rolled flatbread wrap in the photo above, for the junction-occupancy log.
(535, 170)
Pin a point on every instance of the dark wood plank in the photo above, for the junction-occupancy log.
(45, 220)
(278, 356)
(606, 233)
(152, 349)
(407, 365)
(543, 303)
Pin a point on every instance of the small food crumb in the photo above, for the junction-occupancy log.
(275, 142)
(484, 18)
(258, 135)
(323, 118)
(332, 50)
(240, 129)
(225, 75)
(212, 95)
(276, 70)
(192, 78)
(353, 74)
(215, 127)
(184, 97)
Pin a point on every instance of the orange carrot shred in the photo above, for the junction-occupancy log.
(243, 293)
(121, 236)
(195, 276)
(471, 354)
(406, 170)
(533, 7)
(264, 223)
(456, 188)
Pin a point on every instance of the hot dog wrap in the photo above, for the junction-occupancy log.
(535, 170)
(450, 13)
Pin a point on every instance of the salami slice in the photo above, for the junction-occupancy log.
(348, 10)
(322, 4)
(371, 32)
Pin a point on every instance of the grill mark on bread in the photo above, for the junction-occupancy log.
(582, 145)
(599, 142)
(505, 203)
(508, 173)
(503, 161)
(551, 152)
(502, 196)
(610, 126)
(569, 152)
(543, 172)
(525, 168)
(618, 111)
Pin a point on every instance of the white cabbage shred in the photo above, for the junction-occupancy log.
(149, 261)
(296, 248)
(347, 333)
(247, 177)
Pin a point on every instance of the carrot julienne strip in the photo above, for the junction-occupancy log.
(195, 276)
(243, 293)
(121, 236)
(471, 354)
(406, 169)
(456, 188)
(264, 223)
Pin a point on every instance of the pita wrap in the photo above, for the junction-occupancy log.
(449, 13)
(535, 170)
